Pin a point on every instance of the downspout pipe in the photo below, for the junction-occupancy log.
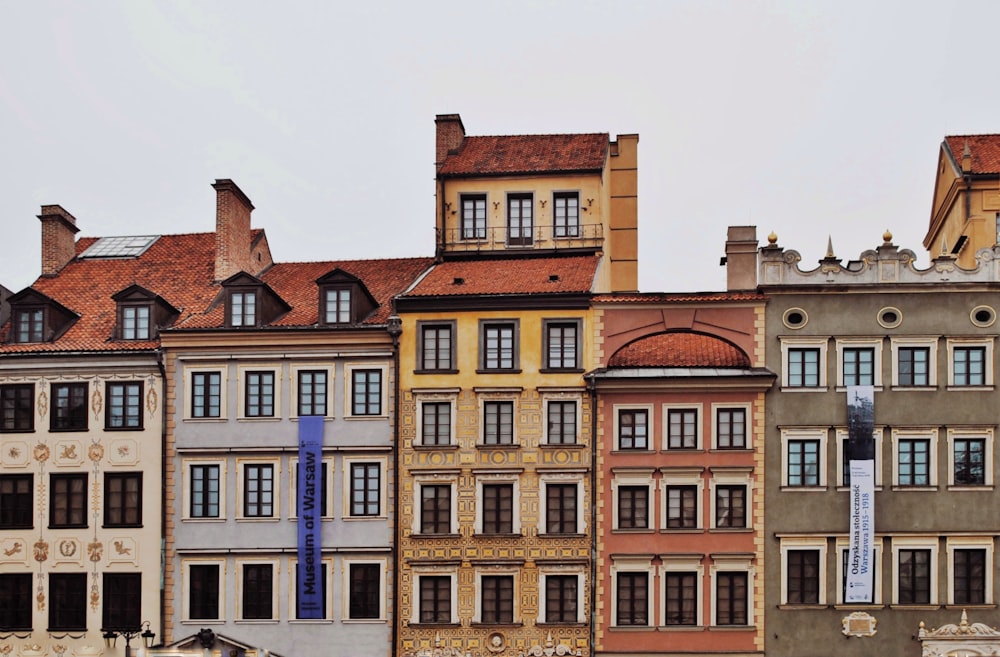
(163, 478)
(395, 327)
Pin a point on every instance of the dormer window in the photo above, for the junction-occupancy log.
(29, 325)
(338, 306)
(242, 309)
(35, 317)
(141, 313)
(250, 302)
(343, 299)
(135, 322)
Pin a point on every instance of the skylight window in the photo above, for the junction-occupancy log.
(119, 247)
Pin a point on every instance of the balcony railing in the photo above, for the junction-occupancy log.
(586, 236)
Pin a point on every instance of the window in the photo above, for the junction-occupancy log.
(259, 397)
(803, 368)
(802, 573)
(858, 366)
(969, 576)
(320, 577)
(968, 366)
(206, 394)
(67, 601)
(312, 392)
(205, 490)
(968, 460)
(731, 598)
(365, 591)
(560, 422)
(498, 508)
(632, 598)
(561, 344)
(497, 599)
(843, 454)
(633, 507)
(435, 599)
(435, 509)
(913, 366)
(633, 429)
(843, 568)
(435, 423)
(366, 487)
(242, 309)
(29, 325)
(337, 305)
(682, 507)
(122, 600)
(681, 593)
(16, 501)
(322, 494)
(803, 463)
(366, 392)
(17, 403)
(473, 216)
(135, 322)
(122, 499)
(731, 428)
(498, 348)
(561, 601)
(913, 462)
(682, 428)
(258, 591)
(914, 576)
(15, 601)
(498, 423)
(731, 506)
(566, 214)
(435, 352)
(124, 406)
(560, 508)
(69, 407)
(519, 219)
(68, 500)
(258, 490)
(203, 591)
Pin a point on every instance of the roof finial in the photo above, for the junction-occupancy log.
(944, 246)
(887, 236)
(772, 238)
(829, 247)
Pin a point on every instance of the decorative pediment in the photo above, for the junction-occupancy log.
(964, 639)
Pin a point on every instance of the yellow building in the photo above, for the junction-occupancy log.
(495, 439)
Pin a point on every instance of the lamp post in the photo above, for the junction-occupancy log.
(111, 635)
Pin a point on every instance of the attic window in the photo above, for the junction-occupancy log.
(134, 320)
(553, 278)
(119, 247)
(29, 325)
(337, 305)
(242, 308)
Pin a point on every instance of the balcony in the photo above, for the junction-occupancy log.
(586, 237)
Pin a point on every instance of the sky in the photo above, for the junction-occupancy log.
(815, 120)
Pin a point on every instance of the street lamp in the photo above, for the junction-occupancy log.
(111, 635)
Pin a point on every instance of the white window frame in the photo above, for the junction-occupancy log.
(186, 493)
(486, 477)
(903, 433)
(915, 543)
(349, 369)
(986, 435)
(987, 343)
(842, 438)
(822, 344)
(747, 408)
(293, 487)
(805, 433)
(549, 478)
(970, 543)
(929, 343)
(293, 582)
(731, 476)
(699, 432)
(632, 564)
(294, 386)
(496, 571)
(275, 590)
(681, 564)
(382, 487)
(449, 398)
(544, 572)
(634, 477)
(241, 411)
(726, 563)
(563, 397)
(434, 571)
(223, 373)
(875, 344)
(818, 544)
(186, 589)
(682, 476)
(345, 590)
(241, 492)
(650, 426)
(435, 479)
(842, 547)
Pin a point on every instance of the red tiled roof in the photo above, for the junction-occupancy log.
(679, 350)
(984, 149)
(509, 276)
(527, 154)
(664, 297)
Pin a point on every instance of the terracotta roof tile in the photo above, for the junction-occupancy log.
(679, 350)
(668, 298)
(516, 154)
(509, 276)
(985, 151)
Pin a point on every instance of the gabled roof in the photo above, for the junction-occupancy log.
(509, 277)
(525, 154)
(984, 149)
(677, 349)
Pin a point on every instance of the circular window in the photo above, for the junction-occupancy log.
(795, 318)
(983, 316)
(890, 317)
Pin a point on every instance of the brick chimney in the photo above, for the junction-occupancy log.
(741, 258)
(58, 238)
(232, 229)
(450, 134)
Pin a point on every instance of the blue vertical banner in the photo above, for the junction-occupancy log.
(860, 580)
(309, 583)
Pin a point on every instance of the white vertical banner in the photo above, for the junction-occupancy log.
(860, 580)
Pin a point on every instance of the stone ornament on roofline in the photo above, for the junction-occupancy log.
(970, 638)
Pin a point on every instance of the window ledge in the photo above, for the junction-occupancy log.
(914, 489)
(730, 450)
(732, 530)
(561, 370)
(427, 448)
(310, 621)
(843, 388)
(198, 520)
(499, 371)
(356, 518)
(630, 530)
(206, 420)
(969, 388)
(796, 606)
(257, 621)
(496, 624)
(363, 621)
(433, 536)
(562, 445)
(554, 535)
(803, 489)
(254, 519)
(73, 430)
(858, 607)
(498, 446)
(927, 388)
(366, 417)
(804, 389)
(681, 628)
(623, 452)
(484, 535)
(732, 628)
(432, 625)
(440, 371)
(974, 488)
(254, 418)
(682, 530)
(631, 628)
(915, 607)
(984, 605)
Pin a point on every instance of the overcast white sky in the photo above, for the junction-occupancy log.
(806, 118)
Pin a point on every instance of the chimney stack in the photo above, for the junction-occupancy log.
(741, 258)
(58, 238)
(232, 229)
(450, 135)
